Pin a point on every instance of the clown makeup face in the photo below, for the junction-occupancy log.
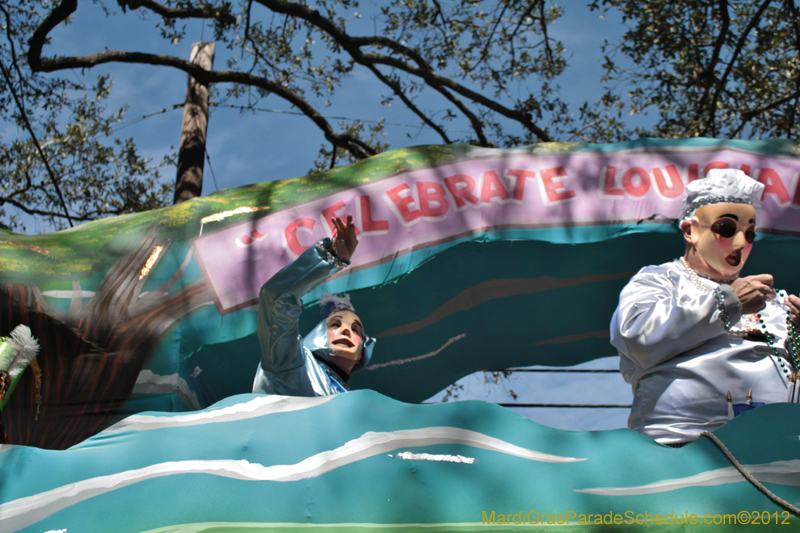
(722, 236)
(345, 334)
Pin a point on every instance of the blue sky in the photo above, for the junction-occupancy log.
(247, 148)
(251, 148)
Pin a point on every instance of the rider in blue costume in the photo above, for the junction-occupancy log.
(320, 363)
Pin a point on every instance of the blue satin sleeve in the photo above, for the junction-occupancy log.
(279, 307)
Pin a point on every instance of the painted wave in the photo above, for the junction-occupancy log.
(263, 405)
(778, 472)
(24, 512)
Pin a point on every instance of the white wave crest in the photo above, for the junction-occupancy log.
(409, 456)
(23, 512)
(778, 472)
(263, 405)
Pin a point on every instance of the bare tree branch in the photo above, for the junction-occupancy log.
(794, 17)
(353, 47)
(415, 65)
(734, 56)
(490, 38)
(402, 95)
(543, 22)
(29, 127)
(357, 148)
(222, 15)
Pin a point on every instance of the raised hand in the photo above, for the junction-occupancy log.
(344, 238)
(754, 292)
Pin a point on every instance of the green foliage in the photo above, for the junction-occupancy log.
(707, 68)
(97, 174)
(483, 61)
(475, 72)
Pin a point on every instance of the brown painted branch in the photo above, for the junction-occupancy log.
(167, 285)
(115, 287)
(35, 296)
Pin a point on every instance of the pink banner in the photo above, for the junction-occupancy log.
(492, 190)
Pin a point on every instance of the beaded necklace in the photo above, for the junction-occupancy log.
(755, 322)
(792, 343)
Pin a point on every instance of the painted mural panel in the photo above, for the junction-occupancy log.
(155, 311)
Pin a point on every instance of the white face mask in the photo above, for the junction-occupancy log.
(722, 234)
(345, 334)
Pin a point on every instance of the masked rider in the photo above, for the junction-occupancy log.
(690, 331)
(320, 363)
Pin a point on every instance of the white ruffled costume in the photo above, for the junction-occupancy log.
(680, 361)
(674, 348)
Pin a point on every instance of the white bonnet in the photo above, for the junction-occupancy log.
(722, 186)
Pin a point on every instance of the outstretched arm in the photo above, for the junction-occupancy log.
(280, 305)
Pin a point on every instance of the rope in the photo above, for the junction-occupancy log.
(776, 499)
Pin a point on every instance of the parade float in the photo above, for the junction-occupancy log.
(136, 415)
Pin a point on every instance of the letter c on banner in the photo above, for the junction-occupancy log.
(290, 235)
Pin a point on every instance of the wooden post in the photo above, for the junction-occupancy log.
(189, 182)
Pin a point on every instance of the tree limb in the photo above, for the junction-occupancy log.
(749, 114)
(736, 51)
(29, 127)
(39, 37)
(414, 109)
(720, 42)
(416, 66)
(543, 21)
(485, 51)
(357, 148)
(435, 80)
(353, 46)
(222, 15)
(795, 18)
